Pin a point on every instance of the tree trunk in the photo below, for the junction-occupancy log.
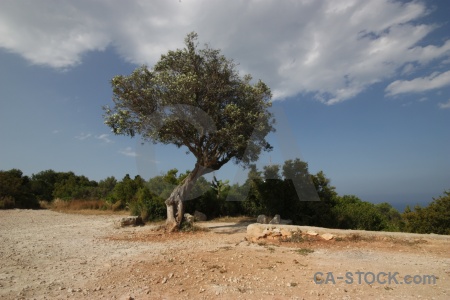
(175, 205)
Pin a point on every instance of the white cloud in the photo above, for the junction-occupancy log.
(128, 151)
(331, 49)
(421, 84)
(445, 105)
(104, 138)
(82, 136)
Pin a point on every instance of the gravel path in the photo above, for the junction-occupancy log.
(50, 255)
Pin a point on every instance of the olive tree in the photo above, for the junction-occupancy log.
(194, 98)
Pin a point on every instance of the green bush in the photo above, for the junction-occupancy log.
(435, 218)
(7, 202)
(147, 205)
(352, 213)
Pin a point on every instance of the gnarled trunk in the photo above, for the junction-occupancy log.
(174, 204)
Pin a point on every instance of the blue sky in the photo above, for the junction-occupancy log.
(361, 88)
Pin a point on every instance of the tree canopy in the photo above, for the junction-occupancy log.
(194, 98)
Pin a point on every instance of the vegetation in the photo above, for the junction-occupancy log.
(435, 218)
(16, 190)
(258, 194)
(193, 98)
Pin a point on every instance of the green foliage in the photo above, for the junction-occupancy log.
(435, 218)
(70, 186)
(105, 188)
(7, 202)
(125, 191)
(352, 213)
(194, 98)
(147, 205)
(290, 196)
(43, 184)
(392, 218)
(15, 190)
(261, 193)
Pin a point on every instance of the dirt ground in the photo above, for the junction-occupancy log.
(51, 255)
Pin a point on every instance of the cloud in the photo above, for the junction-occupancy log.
(56, 131)
(445, 105)
(128, 152)
(421, 84)
(82, 136)
(333, 50)
(104, 138)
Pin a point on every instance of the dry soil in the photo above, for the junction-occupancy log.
(51, 255)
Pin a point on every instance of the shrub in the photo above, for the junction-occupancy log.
(7, 202)
(148, 206)
(59, 204)
(435, 218)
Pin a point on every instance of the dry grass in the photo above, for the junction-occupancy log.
(238, 219)
(85, 207)
(7, 202)
(304, 251)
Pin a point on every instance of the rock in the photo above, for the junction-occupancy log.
(260, 231)
(256, 231)
(313, 233)
(199, 216)
(275, 220)
(129, 221)
(262, 219)
(189, 218)
(327, 236)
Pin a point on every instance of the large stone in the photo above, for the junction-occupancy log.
(129, 221)
(264, 231)
(262, 219)
(312, 233)
(189, 218)
(199, 216)
(327, 236)
(275, 220)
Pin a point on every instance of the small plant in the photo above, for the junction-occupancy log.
(296, 237)
(355, 237)
(191, 227)
(304, 251)
(7, 202)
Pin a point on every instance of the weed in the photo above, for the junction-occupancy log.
(304, 251)
(296, 237)
(59, 204)
(7, 202)
(354, 237)
(190, 227)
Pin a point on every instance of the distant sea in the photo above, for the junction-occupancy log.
(400, 202)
